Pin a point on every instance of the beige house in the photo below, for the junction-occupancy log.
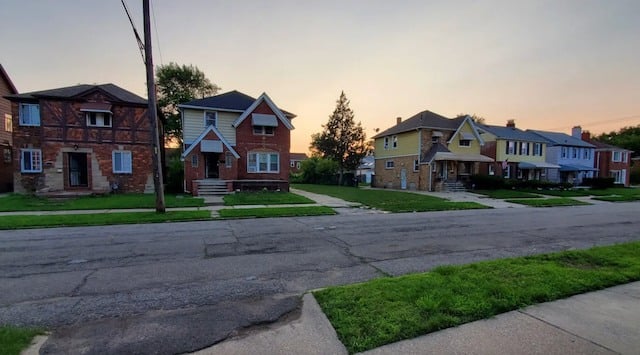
(428, 152)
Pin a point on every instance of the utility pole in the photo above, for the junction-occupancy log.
(153, 110)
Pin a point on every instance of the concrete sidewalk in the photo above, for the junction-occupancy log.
(601, 322)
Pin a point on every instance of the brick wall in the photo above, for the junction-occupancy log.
(391, 178)
(605, 164)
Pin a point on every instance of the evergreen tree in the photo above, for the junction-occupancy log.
(342, 139)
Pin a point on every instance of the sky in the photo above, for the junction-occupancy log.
(548, 65)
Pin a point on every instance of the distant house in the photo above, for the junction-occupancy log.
(518, 154)
(233, 142)
(81, 139)
(6, 129)
(574, 156)
(295, 162)
(365, 170)
(611, 161)
(428, 152)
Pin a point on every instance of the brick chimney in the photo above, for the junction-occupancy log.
(586, 136)
(398, 120)
(576, 132)
(511, 123)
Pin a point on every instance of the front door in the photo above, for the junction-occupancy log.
(403, 179)
(78, 175)
(211, 165)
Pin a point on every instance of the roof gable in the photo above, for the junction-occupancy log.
(7, 80)
(474, 130)
(233, 101)
(263, 98)
(204, 133)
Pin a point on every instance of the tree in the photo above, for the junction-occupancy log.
(626, 137)
(341, 140)
(177, 84)
(477, 119)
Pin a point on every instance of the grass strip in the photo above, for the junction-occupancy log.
(619, 191)
(549, 202)
(560, 193)
(13, 339)
(98, 219)
(392, 201)
(386, 310)
(503, 194)
(276, 212)
(618, 198)
(264, 198)
(19, 202)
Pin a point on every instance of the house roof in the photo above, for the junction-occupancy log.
(604, 146)
(201, 137)
(229, 101)
(297, 156)
(70, 92)
(557, 138)
(512, 133)
(7, 79)
(264, 98)
(424, 119)
(431, 153)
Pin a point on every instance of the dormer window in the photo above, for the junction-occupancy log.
(97, 114)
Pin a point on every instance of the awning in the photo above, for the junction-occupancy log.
(537, 165)
(436, 134)
(462, 157)
(95, 107)
(564, 167)
(258, 119)
(467, 136)
(209, 146)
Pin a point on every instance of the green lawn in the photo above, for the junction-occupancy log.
(276, 212)
(618, 198)
(19, 202)
(387, 310)
(503, 193)
(98, 219)
(13, 340)
(264, 198)
(560, 193)
(392, 201)
(549, 202)
(619, 191)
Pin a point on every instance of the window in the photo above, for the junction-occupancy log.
(492, 169)
(416, 165)
(292, 164)
(537, 149)
(434, 139)
(574, 153)
(8, 123)
(121, 162)
(624, 157)
(510, 147)
(564, 152)
(29, 114)
(389, 164)
(395, 141)
(98, 119)
(31, 160)
(298, 165)
(210, 118)
(465, 143)
(524, 148)
(507, 172)
(263, 130)
(263, 163)
(194, 161)
(228, 160)
(586, 154)
(386, 142)
(617, 156)
(619, 175)
(7, 155)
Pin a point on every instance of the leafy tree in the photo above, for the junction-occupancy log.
(342, 139)
(316, 170)
(626, 137)
(177, 84)
(477, 119)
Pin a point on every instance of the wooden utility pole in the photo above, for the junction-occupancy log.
(153, 111)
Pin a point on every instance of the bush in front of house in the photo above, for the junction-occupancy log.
(487, 182)
(317, 170)
(599, 182)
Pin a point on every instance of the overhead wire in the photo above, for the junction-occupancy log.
(135, 31)
(153, 13)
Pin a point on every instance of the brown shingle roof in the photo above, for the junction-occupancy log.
(424, 119)
(297, 156)
(68, 92)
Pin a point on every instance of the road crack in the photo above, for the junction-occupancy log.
(76, 290)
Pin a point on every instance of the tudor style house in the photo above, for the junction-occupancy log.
(6, 129)
(234, 142)
(518, 154)
(574, 156)
(428, 152)
(81, 139)
(611, 161)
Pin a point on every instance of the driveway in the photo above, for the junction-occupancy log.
(178, 287)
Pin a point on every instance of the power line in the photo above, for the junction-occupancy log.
(600, 122)
(155, 26)
(135, 31)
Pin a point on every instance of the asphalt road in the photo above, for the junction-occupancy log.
(179, 287)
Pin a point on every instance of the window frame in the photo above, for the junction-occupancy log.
(467, 143)
(416, 165)
(258, 160)
(389, 164)
(123, 169)
(195, 161)
(537, 149)
(7, 155)
(38, 160)
(8, 122)
(262, 131)
(394, 142)
(228, 160)
(510, 147)
(386, 143)
(613, 156)
(206, 119)
(492, 170)
(104, 115)
(21, 111)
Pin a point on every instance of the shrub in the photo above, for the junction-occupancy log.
(487, 182)
(175, 175)
(599, 182)
(317, 170)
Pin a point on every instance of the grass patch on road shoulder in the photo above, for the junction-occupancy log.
(19, 202)
(560, 193)
(13, 340)
(549, 202)
(386, 310)
(264, 198)
(618, 198)
(276, 212)
(503, 194)
(98, 219)
(392, 201)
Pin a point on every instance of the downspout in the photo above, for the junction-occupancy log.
(598, 163)
(419, 154)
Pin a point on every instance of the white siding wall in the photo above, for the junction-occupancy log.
(194, 125)
(225, 119)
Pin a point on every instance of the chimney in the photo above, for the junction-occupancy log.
(511, 123)
(398, 120)
(586, 136)
(576, 132)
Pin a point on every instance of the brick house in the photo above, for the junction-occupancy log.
(6, 129)
(81, 139)
(234, 142)
(611, 161)
(295, 161)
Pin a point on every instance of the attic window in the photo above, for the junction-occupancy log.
(263, 130)
(465, 142)
(98, 114)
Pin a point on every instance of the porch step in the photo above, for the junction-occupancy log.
(212, 188)
(454, 187)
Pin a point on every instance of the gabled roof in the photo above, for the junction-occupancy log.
(563, 139)
(263, 98)
(234, 101)
(7, 79)
(71, 92)
(476, 134)
(512, 133)
(297, 156)
(431, 153)
(424, 119)
(204, 133)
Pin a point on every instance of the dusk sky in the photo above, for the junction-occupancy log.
(549, 65)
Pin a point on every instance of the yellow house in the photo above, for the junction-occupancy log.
(428, 152)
